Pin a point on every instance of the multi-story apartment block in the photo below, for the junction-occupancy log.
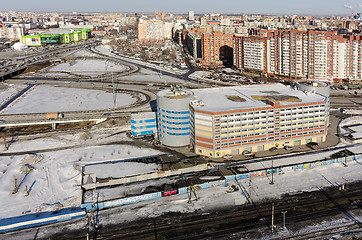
(150, 30)
(217, 47)
(194, 44)
(11, 32)
(300, 54)
(232, 120)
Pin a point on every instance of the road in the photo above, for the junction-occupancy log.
(21, 63)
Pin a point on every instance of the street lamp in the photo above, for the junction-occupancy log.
(284, 212)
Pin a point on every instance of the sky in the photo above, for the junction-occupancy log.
(302, 7)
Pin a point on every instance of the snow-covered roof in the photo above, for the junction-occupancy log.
(251, 96)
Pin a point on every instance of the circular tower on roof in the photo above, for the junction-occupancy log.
(173, 117)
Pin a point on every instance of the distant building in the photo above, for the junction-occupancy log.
(11, 32)
(150, 30)
(191, 16)
(217, 48)
(194, 44)
(300, 54)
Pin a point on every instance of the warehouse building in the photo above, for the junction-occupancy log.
(232, 120)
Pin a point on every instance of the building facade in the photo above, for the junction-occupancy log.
(194, 44)
(300, 54)
(143, 124)
(150, 30)
(255, 118)
(217, 48)
(173, 117)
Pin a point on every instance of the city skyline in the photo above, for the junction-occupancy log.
(306, 7)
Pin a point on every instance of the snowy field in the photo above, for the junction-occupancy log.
(90, 67)
(53, 179)
(45, 98)
(121, 169)
(9, 90)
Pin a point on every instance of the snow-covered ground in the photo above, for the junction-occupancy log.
(9, 90)
(121, 169)
(81, 53)
(106, 49)
(146, 75)
(345, 123)
(89, 67)
(53, 179)
(45, 98)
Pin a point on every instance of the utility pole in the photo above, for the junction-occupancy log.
(272, 221)
(284, 212)
(250, 200)
(272, 169)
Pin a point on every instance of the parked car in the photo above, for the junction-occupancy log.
(286, 147)
(247, 153)
(312, 144)
(272, 149)
(106, 114)
(227, 156)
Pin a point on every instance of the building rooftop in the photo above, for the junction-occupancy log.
(250, 96)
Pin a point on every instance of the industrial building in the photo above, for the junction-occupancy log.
(56, 37)
(143, 124)
(173, 117)
(254, 118)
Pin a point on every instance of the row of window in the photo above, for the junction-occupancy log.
(173, 112)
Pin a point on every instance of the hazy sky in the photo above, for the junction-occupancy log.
(182, 6)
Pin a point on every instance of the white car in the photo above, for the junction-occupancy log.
(247, 153)
(227, 156)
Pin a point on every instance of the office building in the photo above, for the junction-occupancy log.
(143, 124)
(232, 120)
(173, 117)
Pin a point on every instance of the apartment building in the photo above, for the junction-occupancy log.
(193, 40)
(11, 32)
(217, 48)
(232, 120)
(300, 54)
(150, 30)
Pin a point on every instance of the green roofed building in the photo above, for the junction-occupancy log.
(58, 36)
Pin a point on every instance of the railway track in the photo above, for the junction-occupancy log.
(325, 233)
(240, 221)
